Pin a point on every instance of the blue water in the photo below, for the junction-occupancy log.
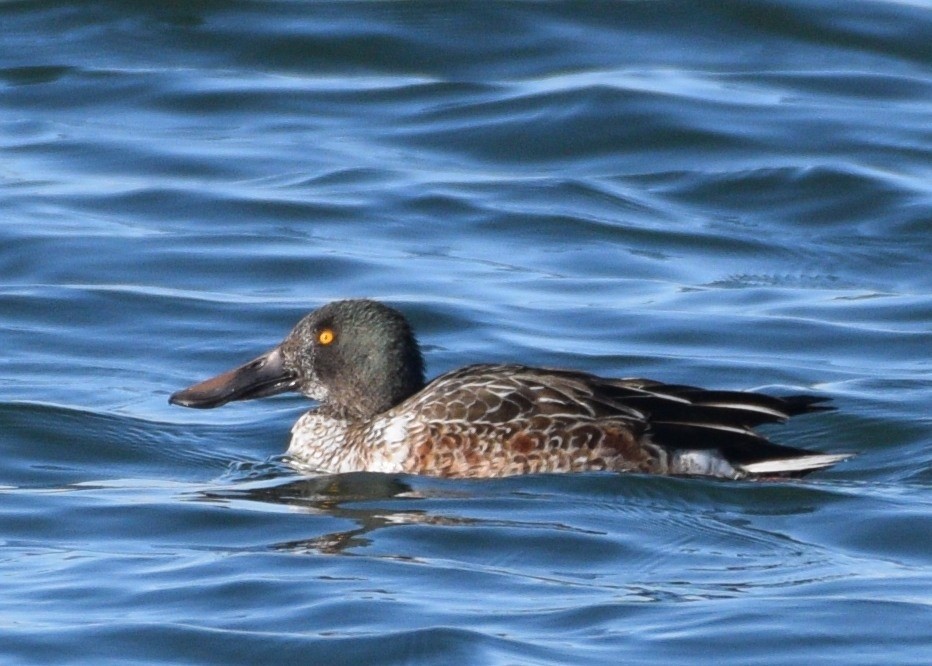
(734, 195)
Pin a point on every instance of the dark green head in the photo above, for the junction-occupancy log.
(356, 356)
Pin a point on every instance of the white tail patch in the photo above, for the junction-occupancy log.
(798, 464)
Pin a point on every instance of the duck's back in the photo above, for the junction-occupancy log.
(498, 420)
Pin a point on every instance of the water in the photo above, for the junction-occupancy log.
(733, 196)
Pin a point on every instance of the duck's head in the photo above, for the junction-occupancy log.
(357, 356)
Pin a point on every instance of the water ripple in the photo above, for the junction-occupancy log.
(735, 195)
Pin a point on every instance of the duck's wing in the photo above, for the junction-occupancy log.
(693, 421)
(648, 423)
(508, 393)
(676, 402)
(497, 420)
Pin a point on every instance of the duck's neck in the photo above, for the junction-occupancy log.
(361, 401)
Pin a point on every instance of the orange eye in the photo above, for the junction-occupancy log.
(325, 337)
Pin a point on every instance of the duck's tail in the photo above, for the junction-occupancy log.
(711, 433)
(712, 462)
(792, 467)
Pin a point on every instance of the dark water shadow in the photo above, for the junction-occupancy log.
(337, 496)
(372, 501)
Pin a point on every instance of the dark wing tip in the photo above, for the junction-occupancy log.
(805, 404)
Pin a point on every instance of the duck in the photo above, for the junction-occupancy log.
(360, 361)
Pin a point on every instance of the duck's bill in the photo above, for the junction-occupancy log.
(260, 377)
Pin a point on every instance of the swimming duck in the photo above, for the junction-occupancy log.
(360, 360)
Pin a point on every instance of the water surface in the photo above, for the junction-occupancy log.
(734, 196)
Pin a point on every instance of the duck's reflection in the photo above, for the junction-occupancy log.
(346, 496)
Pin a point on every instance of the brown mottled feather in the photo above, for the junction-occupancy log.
(496, 420)
(509, 419)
